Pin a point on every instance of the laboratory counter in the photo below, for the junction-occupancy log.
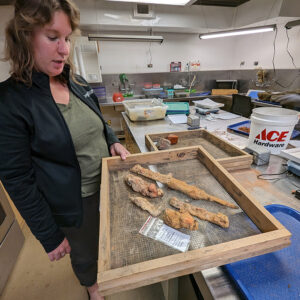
(112, 110)
(214, 283)
(218, 98)
(137, 130)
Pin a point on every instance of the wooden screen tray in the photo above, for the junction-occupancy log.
(228, 155)
(128, 260)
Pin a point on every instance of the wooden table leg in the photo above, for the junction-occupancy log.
(170, 289)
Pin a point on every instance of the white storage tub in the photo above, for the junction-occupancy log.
(145, 109)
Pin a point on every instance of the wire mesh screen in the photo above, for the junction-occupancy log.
(128, 246)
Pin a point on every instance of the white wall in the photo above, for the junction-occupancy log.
(6, 13)
(215, 54)
(104, 15)
(218, 54)
(259, 47)
(100, 15)
(133, 57)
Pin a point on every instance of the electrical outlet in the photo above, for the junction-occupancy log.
(150, 66)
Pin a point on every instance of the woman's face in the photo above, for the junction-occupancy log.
(51, 45)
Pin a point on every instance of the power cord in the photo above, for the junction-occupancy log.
(273, 60)
(289, 176)
(274, 51)
(260, 176)
(287, 48)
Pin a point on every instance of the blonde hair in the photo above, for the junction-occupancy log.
(30, 14)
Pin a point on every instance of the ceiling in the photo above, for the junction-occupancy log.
(230, 3)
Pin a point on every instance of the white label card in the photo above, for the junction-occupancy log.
(157, 230)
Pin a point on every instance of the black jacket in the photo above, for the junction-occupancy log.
(38, 163)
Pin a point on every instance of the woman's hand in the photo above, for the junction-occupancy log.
(58, 253)
(118, 149)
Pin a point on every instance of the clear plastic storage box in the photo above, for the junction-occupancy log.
(145, 109)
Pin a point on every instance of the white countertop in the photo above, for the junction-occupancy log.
(138, 129)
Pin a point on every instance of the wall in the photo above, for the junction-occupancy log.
(101, 15)
(215, 54)
(180, 27)
(116, 57)
(261, 48)
(6, 13)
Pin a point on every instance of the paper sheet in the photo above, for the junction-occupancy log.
(237, 140)
(178, 119)
(208, 103)
(226, 116)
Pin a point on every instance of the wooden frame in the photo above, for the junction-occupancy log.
(273, 235)
(238, 159)
(9, 215)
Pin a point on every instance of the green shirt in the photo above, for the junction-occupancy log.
(88, 137)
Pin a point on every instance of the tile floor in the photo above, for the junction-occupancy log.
(34, 277)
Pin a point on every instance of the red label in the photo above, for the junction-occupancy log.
(272, 136)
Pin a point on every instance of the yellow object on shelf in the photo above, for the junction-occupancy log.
(224, 91)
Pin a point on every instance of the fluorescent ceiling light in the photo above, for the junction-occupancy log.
(165, 2)
(128, 38)
(226, 33)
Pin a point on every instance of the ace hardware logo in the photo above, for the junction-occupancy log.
(274, 138)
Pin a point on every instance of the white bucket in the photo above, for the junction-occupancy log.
(271, 128)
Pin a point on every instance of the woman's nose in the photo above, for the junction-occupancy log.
(63, 47)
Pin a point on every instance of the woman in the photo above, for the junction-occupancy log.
(53, 136)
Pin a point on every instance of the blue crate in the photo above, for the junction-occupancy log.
(274, 275)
